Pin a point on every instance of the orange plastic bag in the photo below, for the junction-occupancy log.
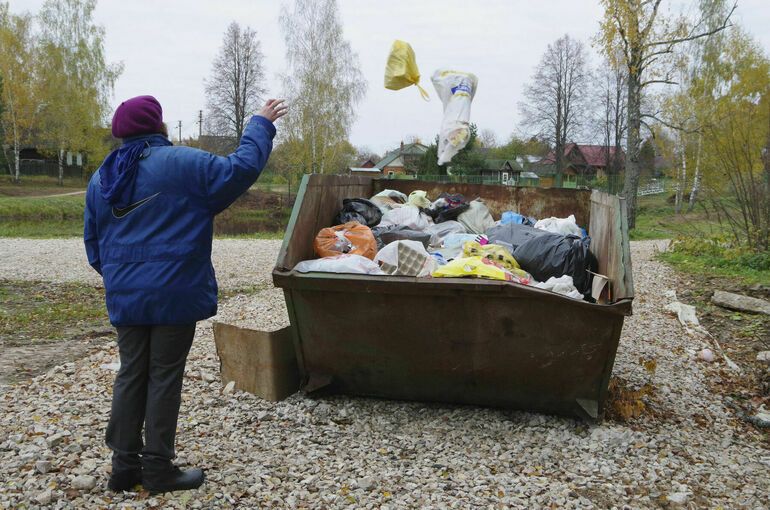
(352, 238)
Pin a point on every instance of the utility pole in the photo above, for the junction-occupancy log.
(200, 127)
(179, 127)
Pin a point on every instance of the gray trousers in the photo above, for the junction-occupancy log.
(147, 392)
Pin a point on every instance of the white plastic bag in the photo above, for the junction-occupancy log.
(563, 226)
(456, 90)
(562, 285)
(406, 258)
(391, 193)
(356, 264)
(476, 219)
(439, 231)
(408, 216)
(419, 198)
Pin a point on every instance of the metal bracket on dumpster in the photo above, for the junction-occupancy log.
(591, 407)
(316, 382)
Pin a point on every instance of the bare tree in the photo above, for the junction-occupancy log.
(611, 116)
(235, 89)
(645, 40)
(487, 138)
(323, 83)
(556, 97)
(364, 154)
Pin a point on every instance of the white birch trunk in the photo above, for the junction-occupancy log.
(682, 177)
(697, 177)
(61, 167)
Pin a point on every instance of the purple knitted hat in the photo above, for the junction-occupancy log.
(141, 115)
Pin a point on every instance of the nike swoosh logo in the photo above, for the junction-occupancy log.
(120, 213)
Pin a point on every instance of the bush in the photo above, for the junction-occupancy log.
(719, 255)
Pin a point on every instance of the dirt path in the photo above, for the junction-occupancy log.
(56, 195)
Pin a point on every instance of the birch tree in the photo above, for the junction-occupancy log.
(18, 90)
(235, 89)
(556, 96)
(323, 82)
(76, 80)
(705, 81)
(645, 39)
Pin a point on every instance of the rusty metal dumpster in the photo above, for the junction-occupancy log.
(465, 341)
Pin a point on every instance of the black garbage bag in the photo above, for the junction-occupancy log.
(514, 234)
(447, 207)
(555, 255)
(359, 209)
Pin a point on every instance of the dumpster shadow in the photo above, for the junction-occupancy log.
(335, 407)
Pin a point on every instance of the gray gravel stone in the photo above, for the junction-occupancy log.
(44, 498)
(42, 466)
(84, 482)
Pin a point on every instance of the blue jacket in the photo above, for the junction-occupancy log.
(151, 241)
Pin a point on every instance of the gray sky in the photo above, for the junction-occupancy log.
(167, 48)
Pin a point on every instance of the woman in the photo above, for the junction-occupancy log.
(148, 230)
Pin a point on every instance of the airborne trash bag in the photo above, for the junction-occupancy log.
(456, 90)
(401, 68)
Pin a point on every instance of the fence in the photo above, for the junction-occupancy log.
(610, 184)
(40, 171)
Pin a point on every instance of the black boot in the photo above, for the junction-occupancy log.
(172, 479)
(125, 480)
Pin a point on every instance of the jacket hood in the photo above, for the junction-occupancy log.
(118, 171)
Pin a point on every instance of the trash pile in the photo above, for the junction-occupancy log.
(452, 237)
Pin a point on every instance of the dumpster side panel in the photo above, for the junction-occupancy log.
(318, 202)
(537, 202)
(497, 349)
(609, 243)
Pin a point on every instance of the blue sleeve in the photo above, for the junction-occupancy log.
(229, 177)
(90, 235)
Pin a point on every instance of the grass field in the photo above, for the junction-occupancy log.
(702, 249)
(656, 219)
(31, 213)
(37, 217)
(41, 311)
(38, 185)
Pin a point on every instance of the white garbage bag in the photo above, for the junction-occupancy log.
(345, 263)
(563, 226)
(456, 90)
(409, 216)
(562, 285)
(440, 231)
(477, 219)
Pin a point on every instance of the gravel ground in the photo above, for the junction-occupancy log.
(365, 453)
(239, 263)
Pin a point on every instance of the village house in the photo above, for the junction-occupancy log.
(580, 161)
(402, 161)
(500, 171)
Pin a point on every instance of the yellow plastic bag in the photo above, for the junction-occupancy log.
(493, 252)
(473, 266)
(480, 267)
(401, 68)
